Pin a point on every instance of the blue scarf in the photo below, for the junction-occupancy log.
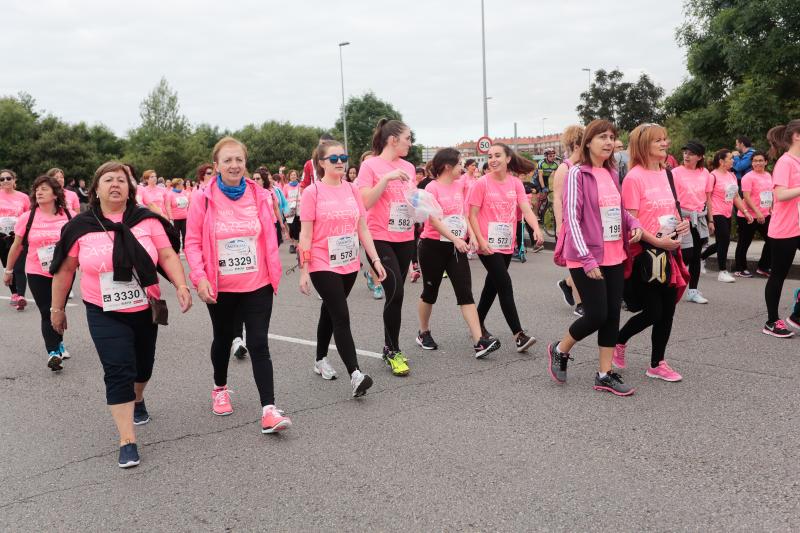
(176, 191)
(235, 192)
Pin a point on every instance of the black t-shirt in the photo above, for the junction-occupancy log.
(424, 183)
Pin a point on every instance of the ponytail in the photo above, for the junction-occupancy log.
(386, 128)
(518, 164)
(780, 137)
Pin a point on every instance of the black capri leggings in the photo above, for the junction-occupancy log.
(602, 299)
(180, 225)
(436, 258)
(746, 234)
(19, 281)
(691, 257)
(126, 344)
(395, 256)
(783, 251)
(334, 316)
(42, 290)
(722, 234)
(659, 310)
(498, 283)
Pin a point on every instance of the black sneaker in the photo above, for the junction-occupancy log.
(794, 321)
(425, 340)
(128, 455)
(485, 346)
(558, 363)
(613, 384)
(523, 342)
(569, 299)
(291, 248)
(777, 329)
(578, 310)
(140, 414)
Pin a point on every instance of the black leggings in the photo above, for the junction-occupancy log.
(437, 257)
(722, 234)
(659, 310)
(520, 241)
(783, 251)
(746, 233)
(395, 256)
(19, 281)
(334, 316)
(691, 258)
(602, 299)
(498, 283)
(180, 225)
(42, 290)
(254, 309)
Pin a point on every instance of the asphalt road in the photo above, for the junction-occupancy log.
(459, 444)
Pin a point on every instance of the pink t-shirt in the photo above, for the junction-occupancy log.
(388, 219)
(759, 185)
(154, 195)
(12, 205)
(139, 189)
(44, 234)
(785, 222)
(293, 196)
(335, 211)
(73, 202)
(241, 251)
(648, 193)
(498, 202)
(724, 189)
(451, 199)
(179, 203)
(692, 187)
(94, 253)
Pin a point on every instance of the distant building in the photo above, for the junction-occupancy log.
(534, 146)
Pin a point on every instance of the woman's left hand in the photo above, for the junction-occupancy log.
(305, 283)
(636, 235)
(539, 236)
(7, 278)
(683, 227)
(184, 298)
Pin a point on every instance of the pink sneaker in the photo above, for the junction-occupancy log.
(14, 298)
(272, 420)
(21, 303)
(619, 356)
(221, 398)
(663, 371)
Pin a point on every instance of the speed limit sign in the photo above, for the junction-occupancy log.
(484, 143)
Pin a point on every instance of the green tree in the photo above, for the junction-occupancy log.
(275, 144)
(743, 58)
(625, 104)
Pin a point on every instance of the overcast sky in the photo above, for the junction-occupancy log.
(243, 61)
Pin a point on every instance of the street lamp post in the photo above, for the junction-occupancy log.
(587, 69)
(483, 52)
(341, 72)
(543, 119)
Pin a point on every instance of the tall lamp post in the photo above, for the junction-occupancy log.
(483, 51)
(341, 72)
(587, 69)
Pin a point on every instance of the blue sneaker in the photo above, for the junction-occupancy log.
(54, 361)
(128, 455)
(140, 414)
(63, 351)
(377, 294)
(370, 283)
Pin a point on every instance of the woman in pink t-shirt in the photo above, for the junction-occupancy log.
(757, 197)
(334, 223)
(597, 230)
(692, 185)
(39, 237)
(179, 199)
(383, 181)
(723, 197)
(648, 196)
(12, 204)
(118, 245)
(73, 202)
(784, 227)
(443, 249)
(155, 197)
(232, 251)
(493, 203)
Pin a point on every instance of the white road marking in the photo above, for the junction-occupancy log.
(9, 297)
(313, 343)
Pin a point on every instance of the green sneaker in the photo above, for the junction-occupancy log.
(396, 361)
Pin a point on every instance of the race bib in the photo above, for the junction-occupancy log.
(730, 192)
(237, 255)
(500, 235)
(667, 224)
(342, 250)
(765, 200)
(182, 202)
(118, 295)
(7, 225)
(45, 254)
(399, 217)
(457, 226)
(612, 223)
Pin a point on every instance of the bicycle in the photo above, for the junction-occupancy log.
(544, 213)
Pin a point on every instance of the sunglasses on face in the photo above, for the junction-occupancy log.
(6, 178)
(336, 158)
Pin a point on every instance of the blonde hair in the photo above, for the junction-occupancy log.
(639, 143)
(53, 171)
(177, 181)
(572, 137)
(147, 173)
(225, 141)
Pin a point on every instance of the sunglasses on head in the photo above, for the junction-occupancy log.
(336, 158)
(6, 178)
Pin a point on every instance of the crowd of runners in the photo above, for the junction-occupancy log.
(637, 241)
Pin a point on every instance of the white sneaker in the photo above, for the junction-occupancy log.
(360, 382)
(725, 277)
(238, 348)
(324, 369)
(694, 296)
(703, 267)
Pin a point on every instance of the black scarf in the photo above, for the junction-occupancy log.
(128, 254)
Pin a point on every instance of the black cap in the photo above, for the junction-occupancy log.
(695, 147)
